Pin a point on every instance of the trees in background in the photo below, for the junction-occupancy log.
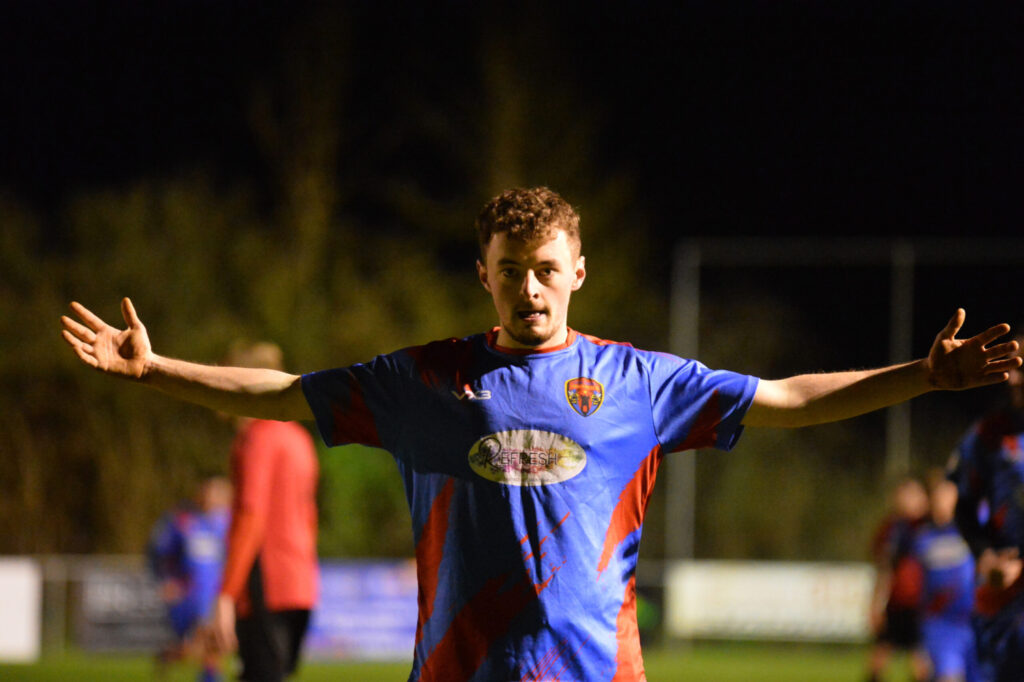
(353, 237)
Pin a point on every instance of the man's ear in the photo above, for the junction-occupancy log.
(581, 273)
(481, 272)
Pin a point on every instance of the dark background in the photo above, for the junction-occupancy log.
(309, 173)
(867, 118)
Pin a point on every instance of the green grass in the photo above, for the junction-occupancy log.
(702, 662)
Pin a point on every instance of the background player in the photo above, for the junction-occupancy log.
(186, 556)
(895, 604)
(270, 574)
(948, 595)
(527, 507)
(988, 469)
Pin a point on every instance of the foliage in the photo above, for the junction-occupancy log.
(341, 245)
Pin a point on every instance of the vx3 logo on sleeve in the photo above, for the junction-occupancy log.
(467, 393)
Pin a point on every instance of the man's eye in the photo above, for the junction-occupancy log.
(508, 273)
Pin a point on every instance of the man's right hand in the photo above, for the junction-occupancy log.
(123, 352)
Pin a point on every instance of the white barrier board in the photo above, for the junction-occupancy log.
(768, 600)
(21, 596)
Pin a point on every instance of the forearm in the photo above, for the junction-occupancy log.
(809, 399)
(247, 392)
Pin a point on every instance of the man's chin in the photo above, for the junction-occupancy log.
(529, 338)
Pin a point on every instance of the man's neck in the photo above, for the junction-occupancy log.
(559, 340)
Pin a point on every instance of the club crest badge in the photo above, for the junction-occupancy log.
(585, 395)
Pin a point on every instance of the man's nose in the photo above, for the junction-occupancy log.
(531, 285)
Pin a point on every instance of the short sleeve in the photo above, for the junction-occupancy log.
(353, 404)
(696, 407)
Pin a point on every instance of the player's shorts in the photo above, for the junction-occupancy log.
(269, 643)
(950, 646)
(185, 615)
(902, 629)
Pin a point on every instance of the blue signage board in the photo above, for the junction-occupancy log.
(367, 610)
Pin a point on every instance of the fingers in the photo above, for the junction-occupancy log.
(94, 323)
(80, 331)
(1003, 349)
(954, 324)
(992, 333)
(131, 318)
(82, 350)
(1002, 366)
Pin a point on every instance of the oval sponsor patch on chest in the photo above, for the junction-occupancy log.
(526, 457)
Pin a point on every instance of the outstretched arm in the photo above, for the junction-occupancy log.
(127, 353)
(952, 364)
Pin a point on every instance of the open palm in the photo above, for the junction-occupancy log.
(122, 352)
(956, 364)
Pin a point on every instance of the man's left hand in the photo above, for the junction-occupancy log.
(956, 364)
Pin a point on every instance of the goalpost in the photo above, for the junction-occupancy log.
(902, 256)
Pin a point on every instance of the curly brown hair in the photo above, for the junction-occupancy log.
(527, 215)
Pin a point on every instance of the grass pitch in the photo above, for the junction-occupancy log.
(701, 662)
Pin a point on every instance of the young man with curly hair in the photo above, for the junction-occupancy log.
(528, 452)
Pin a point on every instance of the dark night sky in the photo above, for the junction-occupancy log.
(866, 118)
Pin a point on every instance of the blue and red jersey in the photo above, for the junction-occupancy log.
(989, 473)
(527, 476)
(187, 546)
(892, 548)
(948, 571)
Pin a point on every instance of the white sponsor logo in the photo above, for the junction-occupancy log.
(470, 394)
(526, 457)
(946, 551)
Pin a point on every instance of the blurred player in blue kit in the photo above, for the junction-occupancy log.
(947, 598)
(895, 605)
(529, 452)
(186, 556)
(988, 469)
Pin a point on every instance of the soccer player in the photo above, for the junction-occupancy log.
(895, 605)
(270, 573)
(528, 452)
(186, 556)
(948, 579)
(988, 469)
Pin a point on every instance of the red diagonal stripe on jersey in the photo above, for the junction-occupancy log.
(702, 434)
(429, 551)
(543, 670)
(630, 664)
(443, 364)
(354, 423)
(484, 619)
(628, 515)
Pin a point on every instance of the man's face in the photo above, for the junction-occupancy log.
(531, 284)
(943, 502)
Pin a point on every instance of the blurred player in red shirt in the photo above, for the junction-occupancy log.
(895, 606)
(270, 573)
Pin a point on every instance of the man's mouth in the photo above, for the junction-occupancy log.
(530, 315)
